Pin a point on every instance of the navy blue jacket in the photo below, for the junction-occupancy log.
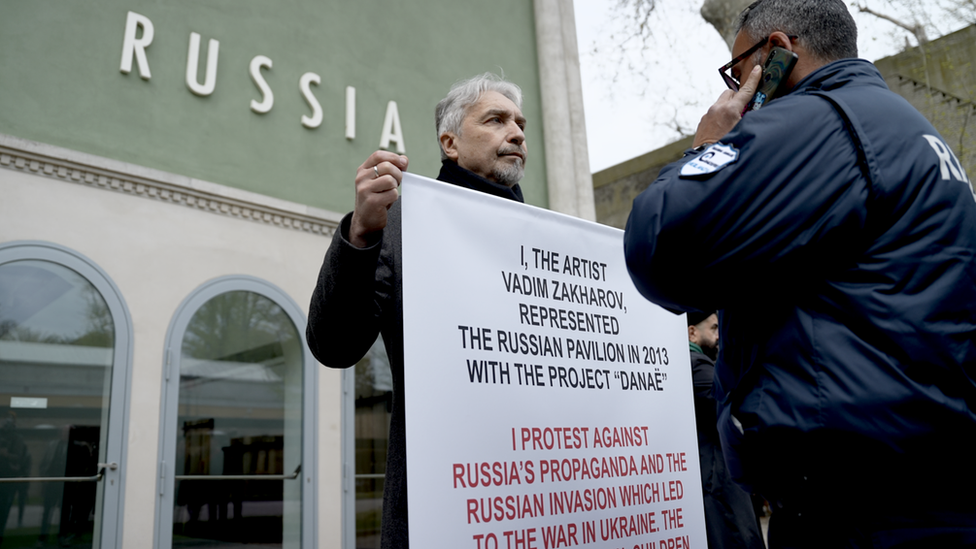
(842, 257)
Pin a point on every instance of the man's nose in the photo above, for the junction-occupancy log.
(516, 136)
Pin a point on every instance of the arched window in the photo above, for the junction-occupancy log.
(237, 449)
(65, 353)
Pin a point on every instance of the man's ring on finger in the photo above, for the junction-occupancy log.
(376, 171)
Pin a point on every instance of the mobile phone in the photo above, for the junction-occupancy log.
(776, 71)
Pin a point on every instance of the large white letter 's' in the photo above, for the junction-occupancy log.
(259, 81)
(304, 85)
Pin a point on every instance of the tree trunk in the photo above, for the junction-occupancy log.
(723, 14)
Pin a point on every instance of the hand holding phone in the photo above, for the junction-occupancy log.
(727, 111)
(776, 71)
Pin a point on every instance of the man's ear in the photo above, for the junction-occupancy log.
(806, 62)
(693, 334)
(781, 40)
(448, 144)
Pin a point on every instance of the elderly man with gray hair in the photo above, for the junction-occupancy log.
(480, 129)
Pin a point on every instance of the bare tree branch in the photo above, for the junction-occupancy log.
(964, 10)
(917, 29)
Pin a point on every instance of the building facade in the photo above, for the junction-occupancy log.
(171, 175)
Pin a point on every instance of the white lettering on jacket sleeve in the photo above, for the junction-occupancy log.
(948, 163)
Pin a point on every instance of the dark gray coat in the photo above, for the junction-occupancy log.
(730, 519)
(358, 295)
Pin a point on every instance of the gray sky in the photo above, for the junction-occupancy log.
(628, 114)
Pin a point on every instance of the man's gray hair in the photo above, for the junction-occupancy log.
(451, 110)
(824, 27)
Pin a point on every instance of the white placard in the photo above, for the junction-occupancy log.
(548, 404)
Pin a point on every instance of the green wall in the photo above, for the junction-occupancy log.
(946, 64)
(60, 84)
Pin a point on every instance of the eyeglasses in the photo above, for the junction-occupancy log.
(730, 81)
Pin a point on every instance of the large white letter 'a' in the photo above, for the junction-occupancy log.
(392, 130)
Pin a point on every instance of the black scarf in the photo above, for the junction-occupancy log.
(456, 175)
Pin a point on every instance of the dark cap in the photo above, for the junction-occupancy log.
(697, 317)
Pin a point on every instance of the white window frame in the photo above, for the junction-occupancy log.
(112, 486)
(171, 378)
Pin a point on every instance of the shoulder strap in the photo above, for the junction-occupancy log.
(864, 160)
(868, 167)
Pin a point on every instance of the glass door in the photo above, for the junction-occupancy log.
(373, 407)
(62, 365)
(234, 434)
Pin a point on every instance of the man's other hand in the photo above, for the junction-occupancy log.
(727, 111)
(377, 188)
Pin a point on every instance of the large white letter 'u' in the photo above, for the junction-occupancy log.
(193, 61)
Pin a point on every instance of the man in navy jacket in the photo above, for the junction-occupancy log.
(835, 231)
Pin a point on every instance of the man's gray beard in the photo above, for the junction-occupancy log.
(509, 174)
